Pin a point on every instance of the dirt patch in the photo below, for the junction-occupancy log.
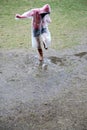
(43, 96)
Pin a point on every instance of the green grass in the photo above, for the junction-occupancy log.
(68, 27)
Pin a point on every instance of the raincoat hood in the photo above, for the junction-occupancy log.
(45, 9)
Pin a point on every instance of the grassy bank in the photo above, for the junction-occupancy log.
(68, 27)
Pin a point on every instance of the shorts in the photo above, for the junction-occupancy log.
(38, 32)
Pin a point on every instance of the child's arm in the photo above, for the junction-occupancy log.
(25, 15)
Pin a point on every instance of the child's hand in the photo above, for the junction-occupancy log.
(18, 16)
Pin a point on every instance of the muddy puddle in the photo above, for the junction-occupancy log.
(48, 95)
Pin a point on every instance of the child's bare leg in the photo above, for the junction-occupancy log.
(40, 54)
(44, 38)
(40, 51)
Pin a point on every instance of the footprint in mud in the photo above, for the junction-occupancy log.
(81, 54)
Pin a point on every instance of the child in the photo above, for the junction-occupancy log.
(40, 33)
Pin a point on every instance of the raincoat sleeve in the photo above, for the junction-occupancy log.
(27, 14)
(47, 19)
(46, 37)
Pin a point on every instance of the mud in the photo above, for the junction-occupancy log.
(51, 95)
(81, 54)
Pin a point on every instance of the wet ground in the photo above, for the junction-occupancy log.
(43, 96)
